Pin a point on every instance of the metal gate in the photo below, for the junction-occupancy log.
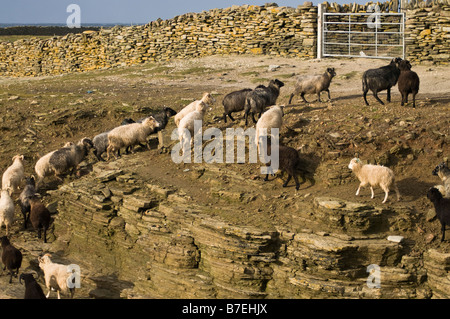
(372, 35)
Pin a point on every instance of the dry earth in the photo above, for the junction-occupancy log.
(41, 114)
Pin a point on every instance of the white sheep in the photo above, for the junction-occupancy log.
(272, 118)
(207, 99)
(187, 122)
(374, 175)
(56, 276)
(14, 175)
(6, 210)
(130, 135)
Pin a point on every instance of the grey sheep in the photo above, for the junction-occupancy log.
(383, 78)
(408, 82)
(443, 172)
(11, 257)
(28, 192)
(234, 102)
(62, 160)
(313, 84)
(262, 97)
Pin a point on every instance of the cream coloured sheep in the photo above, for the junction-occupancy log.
(272, 118)
(374, 175)
(207, 99)
(187, 122)
(313, 84)
(14, 175)
(56, 276)
(130, 135)
(6, 210)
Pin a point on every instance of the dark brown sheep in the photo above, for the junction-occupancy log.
(11, 257)
(39, 217)
(408, 82)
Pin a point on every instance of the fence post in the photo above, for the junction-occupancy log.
(319, 30)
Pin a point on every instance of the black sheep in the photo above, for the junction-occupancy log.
(442, 208)
(383, 78)
(32, 289)
(234, 102)
(408, 82)
(11, 257)
(262, 97)
(443, 172)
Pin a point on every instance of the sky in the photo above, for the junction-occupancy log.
(119, 11)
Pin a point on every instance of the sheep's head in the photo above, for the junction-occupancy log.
(4, 241)
(150, 122)
(277, 83)
(44, 260)
(31, 180)
(18, 158)
(28, 277)
(169, 112)
(441, 169)
(86, 143)
(354, 163)
(404, 65)
(434, 194)
(331, 72)
(208, 98)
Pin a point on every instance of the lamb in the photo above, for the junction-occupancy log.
(130, 135)
(374, 175)
(408, 82)
(442, 208)
(381, 79)
(6, 210)
(443, 171)
(234, 102)
(187, 123)
(56, 276)
(272, 118)
(24, 198)
(100, 142)
(313, 84)
(289, 162)
(260, 98)
(11, 257)
(39, 217)
(32, 289)
(14, 175)
(207, 99)
(62, 160)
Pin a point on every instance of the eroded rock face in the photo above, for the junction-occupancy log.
(158, 242)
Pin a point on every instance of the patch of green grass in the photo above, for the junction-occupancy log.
(260, 81)
(250, 73)
(13, 38)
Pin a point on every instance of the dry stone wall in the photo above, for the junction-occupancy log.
(269, 29)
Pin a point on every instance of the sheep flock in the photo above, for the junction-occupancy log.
(56, 164)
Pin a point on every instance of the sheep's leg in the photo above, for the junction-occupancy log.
(443, 232)
(290, 98)
(406, 97)
(372, 192)
(24, 214)
(297, 184)
(318, 97)
(329, 97)
(397, 192)
(48, 294)
(389, 95)
(253, 118)
(359, 188)
(375, 94)
(365, 97)
(59, 296)
(403, 99)
(287, 181)
(385, 196)
(414, 100)
(303, 97)
(266, 178)
(39, 233)
(246, 117)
